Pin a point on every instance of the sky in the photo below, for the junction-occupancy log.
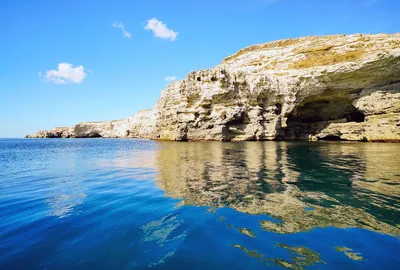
(70, 61)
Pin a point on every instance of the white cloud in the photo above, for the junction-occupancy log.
(170, 78)
(65, 74)
(121, 26)
(160, 29)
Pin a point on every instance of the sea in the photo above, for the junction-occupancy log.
(142, 204)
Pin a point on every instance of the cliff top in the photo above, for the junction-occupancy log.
(313, 51)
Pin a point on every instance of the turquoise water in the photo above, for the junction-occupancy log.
(137, 204)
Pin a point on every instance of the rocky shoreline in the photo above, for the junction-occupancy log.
(338, 87)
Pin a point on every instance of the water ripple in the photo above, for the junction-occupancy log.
(136, 204)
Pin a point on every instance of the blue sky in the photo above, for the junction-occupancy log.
(112, 73)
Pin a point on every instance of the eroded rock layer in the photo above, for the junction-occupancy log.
(344, 87)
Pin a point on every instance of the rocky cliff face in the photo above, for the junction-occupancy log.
(141, 125)
(344, 87)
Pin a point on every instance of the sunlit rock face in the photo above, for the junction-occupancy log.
(107, 129)
(141, 125)
(58, 132)
(343, 87)
(291, 89)
(345, 186)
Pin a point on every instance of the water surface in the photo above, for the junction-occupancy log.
(137, 204)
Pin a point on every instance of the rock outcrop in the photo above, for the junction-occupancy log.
(338, 87)
(141, 125)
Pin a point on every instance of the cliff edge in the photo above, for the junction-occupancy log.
(338, 87)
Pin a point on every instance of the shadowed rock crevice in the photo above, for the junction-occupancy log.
(355, 116)
(331, 138)
(309, 120)
(360, 116)
(94, 135)
(325, 110)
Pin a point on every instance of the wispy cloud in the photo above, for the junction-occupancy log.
(65, 74)
(170, 78)
(121, 26)
(160, 29)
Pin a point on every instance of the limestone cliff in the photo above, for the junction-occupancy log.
(140, 125)
(331, 87)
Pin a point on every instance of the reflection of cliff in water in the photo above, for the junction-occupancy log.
(303, 185)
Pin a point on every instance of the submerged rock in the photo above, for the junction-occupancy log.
(338, 87)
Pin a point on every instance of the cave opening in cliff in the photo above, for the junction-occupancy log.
(94, 135)
(355, 116)
(242, 119)
(340, 110)
(330, 138)
(278, 108)
(318, 113)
